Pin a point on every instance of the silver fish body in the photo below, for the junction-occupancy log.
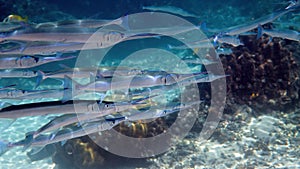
(17, 73)
(64, 134)
(285, 34)
(171, 9)
(239, 29)
(67, 119)
(78, 107)
(28, 61)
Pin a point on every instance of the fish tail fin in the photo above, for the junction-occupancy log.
(28, 140)
(67, 82)
(40, 77)
(259, 31)
(67, 93)
(124, 22)
(203, 26)
(68, 86)
(3, 147)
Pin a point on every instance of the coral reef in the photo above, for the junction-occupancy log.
(84, 153)
(263, 74)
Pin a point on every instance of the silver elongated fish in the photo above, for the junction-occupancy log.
(41, 76)
(236, 30)
(97, 73)
(172, 10)
(64, 134)
(201, 78)
(231, 40)
(107, 109)
(84, 23)
(28, 61)
(101, 37)
(20, 94)
(133, 82)
(62, 95)
(156, 113)
(17, 73)
(78, 107)
(47, 47)
(285, 34)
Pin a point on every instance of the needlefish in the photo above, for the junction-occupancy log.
(231, 40)
(77, 107)
(158, 112)
(84, 23)
(107, 109)
(96, 73)
(68, 108)
(62, 135)
(133, 82)
(22, 94)
(62, 42)
(9, 73)
(201, 78)
(236, 30)
(44, 48)
(29, 61)
(172, 10)
(103, 38)
(285, 34)
(109, 37)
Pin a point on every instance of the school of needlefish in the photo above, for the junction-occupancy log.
(26, 47)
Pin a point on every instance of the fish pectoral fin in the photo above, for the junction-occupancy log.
(40, 77)
(124, 22)
(28, 140)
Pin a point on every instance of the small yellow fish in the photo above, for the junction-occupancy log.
(15, 18)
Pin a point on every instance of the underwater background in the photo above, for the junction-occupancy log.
(259, 127)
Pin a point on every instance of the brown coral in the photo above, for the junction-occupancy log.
(262, 73)
(84, 153)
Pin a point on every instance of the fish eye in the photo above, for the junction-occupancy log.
(164, 80)
(106, 106)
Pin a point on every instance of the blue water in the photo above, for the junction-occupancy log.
(247, 136)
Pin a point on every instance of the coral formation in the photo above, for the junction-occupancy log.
(84, 153)
(262, 73)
